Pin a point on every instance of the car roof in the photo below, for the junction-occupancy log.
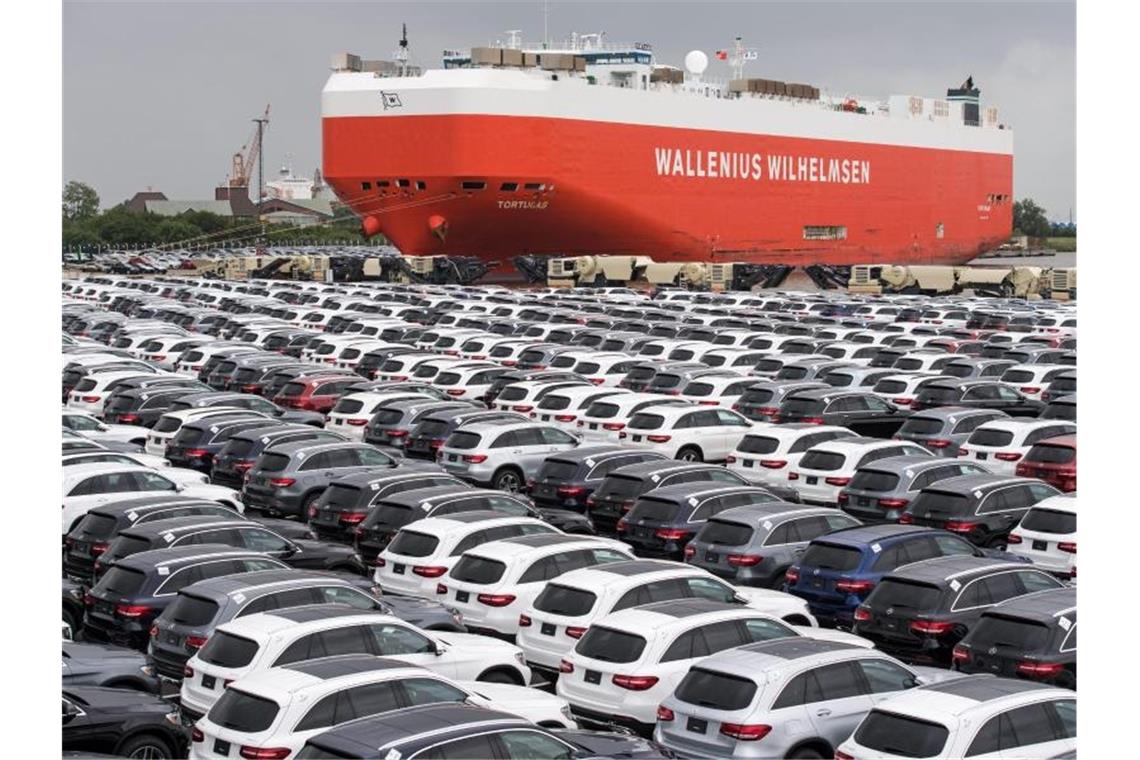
(756, 658)
(860, 535)
(1045, 606)
(1069, 440)
(982, 481)
(1019, 425)
(179, 525)
(537, 543)
(755, 514)
(960, 695)
(855, 444)
(434, 493)
(658, 467)
(701, 489)
(940, 569)
(179, 556)
(292, 447)
(907, 462)
(268, 581)
(944, 412)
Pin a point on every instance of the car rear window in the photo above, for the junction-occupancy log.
(940, 392)
(757, 396)
(348, 406)
(725, 532)
(940, 503)
(956, 370)
(461, 439)
(167, 424)
(191, 610)
(1013, 634)
(293, 389)
(1017, 376)
(587, 368)
(890, 386)
(822, 460)
(244, 712)
(188, 436)
(907, 364)
(513, 393)
(758, 444)
(122, 581)
(921, 426)
(409, 543)
(565, 600)
(641, 373)
(989, 437)
(96, 525)
(719, 691)
(902, 735)
(557, 469)
(874, 480)
(1049, 521)
(617, 486)
(273, 462)
(831, 557)
(228, 651)
(643, 421)
(447, 378)
(86, 384)
(602, 411)
(698, 389)
(801, 407)
(658, 510)
(905, 594)
(125, 546)
(610, 645)
(554, 403)
(474, 569)
(387, 417)
(1048, 453)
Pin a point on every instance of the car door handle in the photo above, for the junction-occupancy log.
(823, 713)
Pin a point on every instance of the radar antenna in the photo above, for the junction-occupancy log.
(401, 54)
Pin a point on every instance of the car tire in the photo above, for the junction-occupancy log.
(145, 747)
(501, 675)
(74, 619)
(508, 479)
(690, 454)
(998, 543)
(308, 504)
(807, 753)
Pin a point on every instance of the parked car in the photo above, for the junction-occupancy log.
(860, 411)
(349, 499)
(502, 456)
(120, 722)
(943, 430)
(568, 479)
(769, 452)
(1047, 536)
(827, 468)
(1002, 443)
(880, 491)
(1053, 460)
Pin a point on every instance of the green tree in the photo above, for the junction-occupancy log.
(1029, 219)
(80, 234)
(174, 230)
(80, 201)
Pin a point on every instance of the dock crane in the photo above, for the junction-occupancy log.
(244, 160)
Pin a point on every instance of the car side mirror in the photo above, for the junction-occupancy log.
(738, 599)
(70, 712)
(438, 649)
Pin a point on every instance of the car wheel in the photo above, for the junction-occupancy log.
(689, 454)
(508, 479)
(500, 676)
(145, 747)
(309, 503)
(74, 619)
(997, 542)
(806, 752)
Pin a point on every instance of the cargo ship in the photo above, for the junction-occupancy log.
(587, 147)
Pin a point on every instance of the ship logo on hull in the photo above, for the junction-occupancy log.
(756, 166)
(390, 99)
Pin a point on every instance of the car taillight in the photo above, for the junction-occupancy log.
(773, 464)
(91, 399)
(622, 526)
(524, 621)
(454, 391)
(635, 683)
(356, 422)
(475, 458)
(522, 407)
(862, 615)
(154, 631)
(837, 481)
(906, 519)
(893, 503)
(568, 491)
(842, 498)
(352, 518)
(903, 401)
(931, 627)
(397, 433)
(98, 548)
(1039, 669)
(565, 666)
(196, 734)
(132, 610)
(496, 600)
(793, 476)
(671, 534)
(1030, 389)
(596, 380)
(565, 417)
(770, 411)
(197, 453)
(248, 387)
(792, 575)
(128, 418)
(243, 466)
(690, 551)
(1069, 547)
(664, 714)
(440, 588)
(707, 403)
(745, 732)
(813, 420)
(851, 586)
(282, 482)
(1013, 538)
(938, 443)
(429, 571)
(960, 654)
(658, 438)
(1007, 456)
(960, 526)
(730, 459)
(265, 753)
(613, 425)
(195, 642)
(625, 505)
(575, 632)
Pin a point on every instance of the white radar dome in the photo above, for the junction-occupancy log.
(696, 62)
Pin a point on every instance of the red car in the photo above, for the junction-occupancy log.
(1053, 460)
(317, 394)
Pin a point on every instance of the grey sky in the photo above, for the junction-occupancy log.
(161, 93)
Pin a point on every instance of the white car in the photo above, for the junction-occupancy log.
(329, 349)
(164, 351)
(739, 359)
(603, 421)
(902, 389)
(507, 352)
(716, 390)
(855, 353)
(551, 625)
(564, 406)
(190, 362)
(606, 368)
(826, 469)
(523, 396)
(266, 640)
(493, 583)
(420, 553)
(629, 661)
(470, 382)
(170, 423)
(922, 360)
(304, 699)
(400, 367)
(479, 347)
(975, 716)
(90, 485)
(91, 391)
(352, 412)
(154, 462)
(1031, 379)
(770, 451)
(349, 356)
(1047, 536)
(690, 432)
(1001, 444)
(96, 430)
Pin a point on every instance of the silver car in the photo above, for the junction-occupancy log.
(794, 697)
(943, 429)
(502, 456)
(881, 491)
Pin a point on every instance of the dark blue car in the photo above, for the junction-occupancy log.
(837, 571)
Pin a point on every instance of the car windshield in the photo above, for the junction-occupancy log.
(243, 712)
(412, 544)
(900, 593)
(719, 691)
(825, 461)
(874, 480)
(610, 645)
(989, 437)
(565, 600)
(903, 735)
(1042, 520)
(831, 557)
(478, 570)
(725, 532)
(1048, 453)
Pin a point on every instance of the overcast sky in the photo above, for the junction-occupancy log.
(161, 94)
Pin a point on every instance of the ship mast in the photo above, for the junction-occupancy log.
(401, 54)
(739, 56)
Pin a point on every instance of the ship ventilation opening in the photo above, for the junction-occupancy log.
(939, 231)
(472, 185)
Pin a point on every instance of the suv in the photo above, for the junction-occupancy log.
(1053, 460)
(801, 697)
(347, 501)
(964, 717)
(827, 468)
(1047, 536)
(568, 479)
(690, 432)
(1062, 408)
(769, 453)
(838, 570)
(196, 443)
(1032, 637)
(235, 459)
(622, 486)
(920, 611)
(432, 430)
(976, 394)
(981, 508)
(141, 406)
(860, 411)
(317, 394)
(755, 545)
(943, 430)
(392, 421)
(122, 605)
(881, 491)
(502, 456)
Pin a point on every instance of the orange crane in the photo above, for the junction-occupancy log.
(246, 159)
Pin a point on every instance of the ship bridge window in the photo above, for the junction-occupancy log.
(421, 185)
(382, 183)
(472, 185)
(403, 183)
(509, 187)
(534, 186)
(825, 233)
(365, 185)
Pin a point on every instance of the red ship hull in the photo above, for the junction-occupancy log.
(604, 192)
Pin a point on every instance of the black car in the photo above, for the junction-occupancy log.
(121, 722)
(196, 443)
(122, 605)
(393, 421)
(568, 478)
(141, 406)
(977, 394)
(919, 612)
(183, 627)
(239, 533)
(248, 374)
(345, 504)
(103, 665)
(96, 529)
(236, 458)
(943, 429)
(665, 519)
(640, 376)
(273, 383)
(371, 362)
(431, 430)
(461, 730)
(761, 401)
(1032, 637)
(223, 373)
(621, 487)
(862, 412)
(981, 508)
(72, 605)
